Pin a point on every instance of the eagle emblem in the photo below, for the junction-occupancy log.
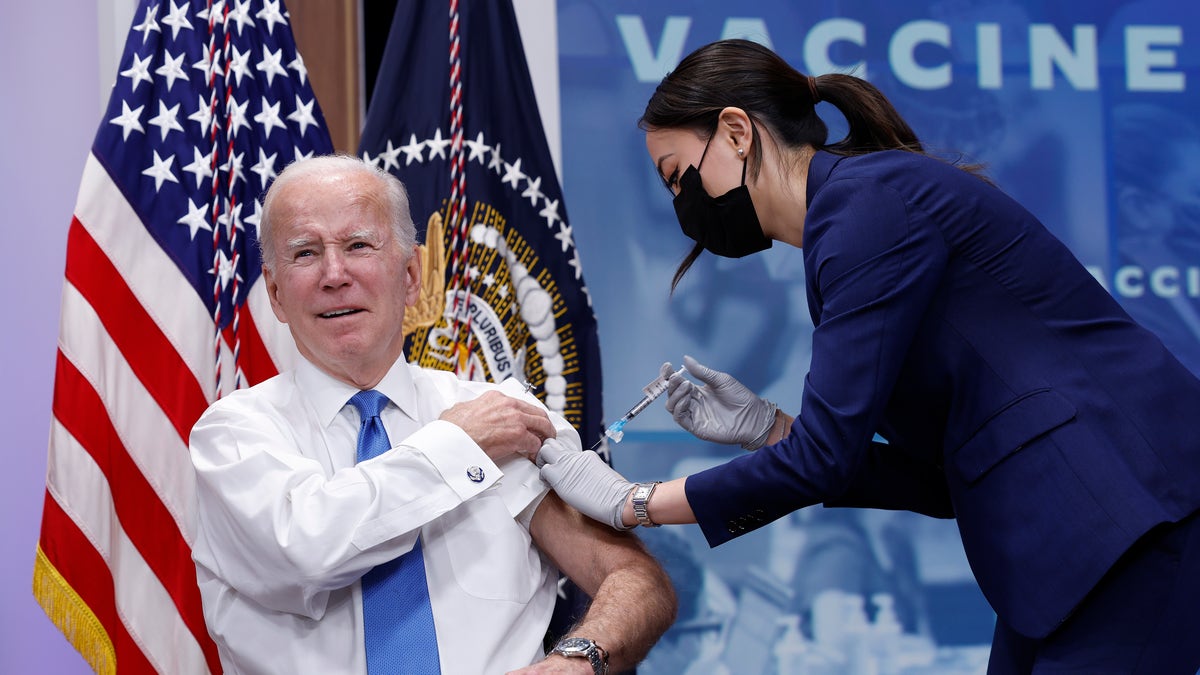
(431, 303)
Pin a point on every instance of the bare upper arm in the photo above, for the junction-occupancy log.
(583, 549)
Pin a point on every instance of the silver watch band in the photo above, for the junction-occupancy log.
(581, 647)
(641, 503)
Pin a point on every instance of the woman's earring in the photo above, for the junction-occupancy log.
(741, 152)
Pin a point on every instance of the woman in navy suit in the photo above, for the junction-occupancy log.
(1012, 391)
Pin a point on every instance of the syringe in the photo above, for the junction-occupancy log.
(615, 431)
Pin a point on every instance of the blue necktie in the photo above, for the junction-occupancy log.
(397, 614)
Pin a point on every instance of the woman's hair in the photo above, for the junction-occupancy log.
(746, 75)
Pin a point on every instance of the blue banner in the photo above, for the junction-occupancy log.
(1083, 112)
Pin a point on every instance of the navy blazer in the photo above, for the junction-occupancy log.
(1014, 393)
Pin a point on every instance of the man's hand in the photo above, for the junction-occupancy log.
(723, 410)
(502, 425)
(585, 481)
(556, 665)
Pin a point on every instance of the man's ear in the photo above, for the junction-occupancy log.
(273, 294)
(412, 273)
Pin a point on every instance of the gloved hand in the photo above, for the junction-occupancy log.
(585, 481)
(723, 410)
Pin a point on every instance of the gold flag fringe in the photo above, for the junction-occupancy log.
(73, 617)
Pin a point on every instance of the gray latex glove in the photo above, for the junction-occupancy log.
(585, 481)
(721, 410)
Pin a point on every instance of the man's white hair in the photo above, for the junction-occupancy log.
(391, 190)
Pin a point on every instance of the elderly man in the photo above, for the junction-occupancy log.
(359, 514)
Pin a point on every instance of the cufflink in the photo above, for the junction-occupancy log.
(475, 474)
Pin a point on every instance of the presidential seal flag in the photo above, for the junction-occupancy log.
(453, 115)
(163, 311)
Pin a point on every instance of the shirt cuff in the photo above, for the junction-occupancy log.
(462, 464)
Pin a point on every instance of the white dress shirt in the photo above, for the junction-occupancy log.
(287, 523)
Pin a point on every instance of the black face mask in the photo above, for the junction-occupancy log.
(727, 225)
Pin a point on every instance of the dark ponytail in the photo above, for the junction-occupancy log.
(873, 122)
(747, 75)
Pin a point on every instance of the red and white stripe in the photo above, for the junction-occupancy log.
(135, 370)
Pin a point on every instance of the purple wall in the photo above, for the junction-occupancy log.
(49, 113)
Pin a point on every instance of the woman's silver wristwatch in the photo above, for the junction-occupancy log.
(641, 503)
(583, 648)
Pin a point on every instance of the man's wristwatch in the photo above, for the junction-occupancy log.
(584, 648)
(641, 501)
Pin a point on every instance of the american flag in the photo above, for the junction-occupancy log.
(162, 313)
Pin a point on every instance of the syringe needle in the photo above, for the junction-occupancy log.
(651, 392)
